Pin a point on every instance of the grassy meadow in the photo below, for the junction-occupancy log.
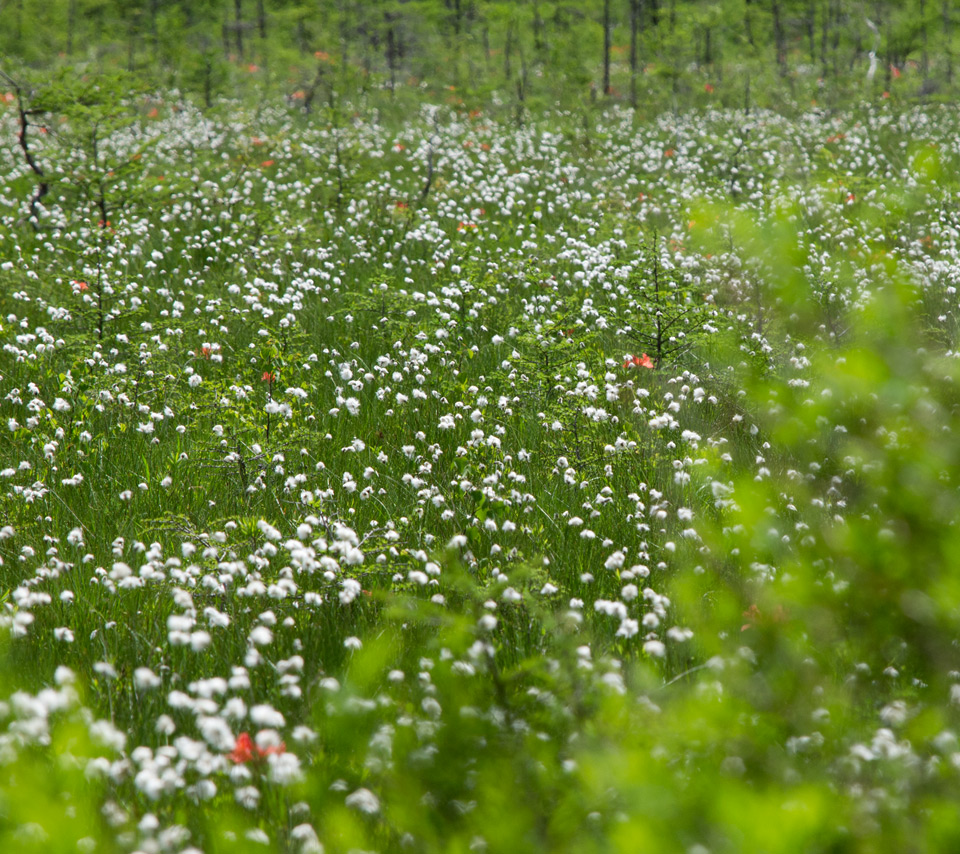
(419, 472)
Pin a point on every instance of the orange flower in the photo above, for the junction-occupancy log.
(753, 615)
(638, 362)
(205, 351)
(81, 286)
(755, 618)
(708, 88)
(246, 750)
(269, 378)
(266, 164)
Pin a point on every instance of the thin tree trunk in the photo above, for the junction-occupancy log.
(835, 41)
(947, 35)
(538, 42)
(261, 20)
(132, 45)
(606, 47)
(238, 24)
(924, 56)
(71, 25)
(634, 49)
(344, 34)
(391, 48)
(18, 24)
(824, 37)
(778, 37)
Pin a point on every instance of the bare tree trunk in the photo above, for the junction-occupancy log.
(261, 20)
(207, 81)
(344, 34)
(606, 47)
(238, 23)
(748, 23)
(835, 42)
(824, 37)
(947, 35)
(18, 24)
(71, 25)
(812, 29)
(634, 49)
(538, 42)
(302, 35)
(924, 56)
(391, 48)
(778, 37)
(132, 44)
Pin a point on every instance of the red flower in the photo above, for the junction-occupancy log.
(243, 749)
(638, 362)
(81, 286)
(269, 378)
(205, 352)
(753, 615)
(755, 618)
(266, 164)
(708, 88)
(247, 750)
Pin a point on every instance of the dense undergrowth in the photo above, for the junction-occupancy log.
(463, 483)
